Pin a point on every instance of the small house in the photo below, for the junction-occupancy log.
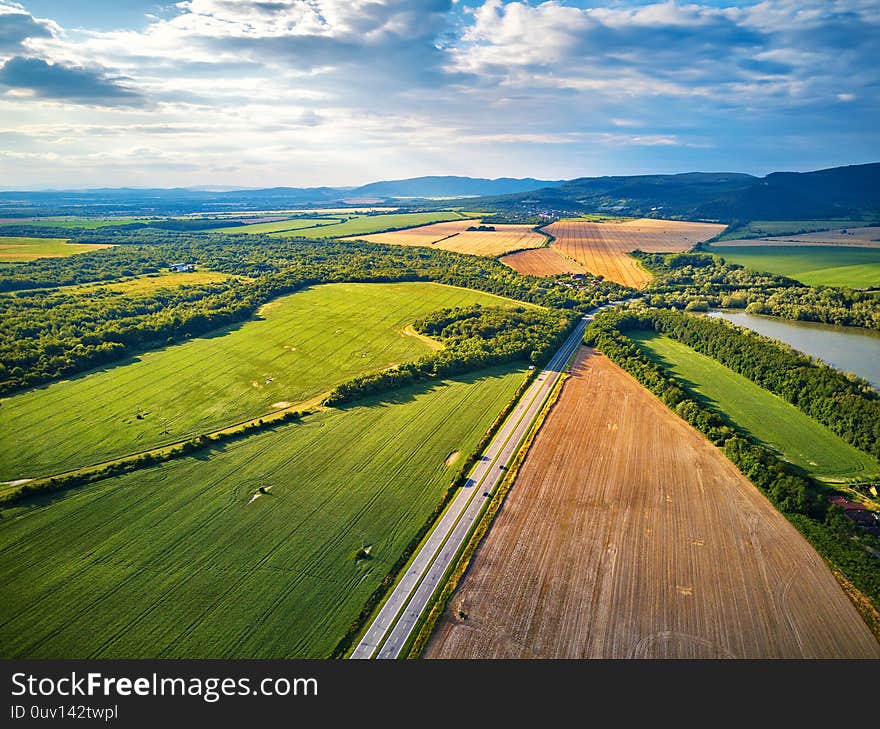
(856, 512)
(182, 267)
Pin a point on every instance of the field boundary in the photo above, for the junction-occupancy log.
(19, 489)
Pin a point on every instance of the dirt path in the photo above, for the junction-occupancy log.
(627, 534)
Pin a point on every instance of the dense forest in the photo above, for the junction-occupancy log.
(50, 328)
(474, 338)
(701, 281)
(802, 500)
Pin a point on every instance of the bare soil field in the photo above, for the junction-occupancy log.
(853, 237)
(602, 248)
(542, 262)
(628, 535)
(455, 236)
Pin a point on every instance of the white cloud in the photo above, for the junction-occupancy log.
(323, 91)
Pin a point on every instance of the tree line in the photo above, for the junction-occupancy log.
(845, 404)
(701, 281)
(474, 338)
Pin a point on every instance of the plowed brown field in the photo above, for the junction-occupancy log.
(454, 236)
(628, 535)
(542, 262)
(602, 248)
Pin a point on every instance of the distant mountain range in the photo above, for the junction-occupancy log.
(172, 201)
(837, 192)
(843, 192)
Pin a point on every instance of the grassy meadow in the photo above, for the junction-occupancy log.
(277, 226)
(155, 281)
(14, 248)
(780, 425)
(769, 228)
(300, 346)
(179, 561)
(813, 265)
(364, 224)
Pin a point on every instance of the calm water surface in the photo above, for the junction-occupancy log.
(849, 349)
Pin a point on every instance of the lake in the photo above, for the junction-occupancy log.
(849, 349)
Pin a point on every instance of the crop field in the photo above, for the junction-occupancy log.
(768, 228)
(300, 346)
(541, 262)
(855, 267)
(503, 239)
(13, 249)
(775, 422)
(277, 226)
(455, 236)
(183, 561)
(365, 224)
(422, 235)
(603, 248)
(628, 535)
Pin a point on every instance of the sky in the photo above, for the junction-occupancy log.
(263, 93)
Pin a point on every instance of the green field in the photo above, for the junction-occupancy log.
(176, 561)
(800, 439)
(813, 265)
(768, 228)
(278, 226)
(301, 346)
(13, 249)
(85, 223)
(365, 224)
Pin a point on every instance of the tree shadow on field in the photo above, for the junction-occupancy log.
(45, 498)
(691, 390)
(138, 357)
(409, 393)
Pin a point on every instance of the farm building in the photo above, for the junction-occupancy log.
(182, 267)
(855, 511)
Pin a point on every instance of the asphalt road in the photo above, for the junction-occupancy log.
(392, 626)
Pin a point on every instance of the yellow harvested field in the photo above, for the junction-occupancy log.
(542, 262)
(602, 248)
(628, 535)
(503, 239)
(455, 236)
(855, 237)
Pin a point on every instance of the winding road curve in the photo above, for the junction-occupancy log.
(391, 628)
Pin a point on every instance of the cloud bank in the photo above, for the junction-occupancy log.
(342, 92)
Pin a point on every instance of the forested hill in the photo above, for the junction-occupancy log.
(839, 192)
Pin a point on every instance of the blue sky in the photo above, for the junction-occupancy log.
(341, 92)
